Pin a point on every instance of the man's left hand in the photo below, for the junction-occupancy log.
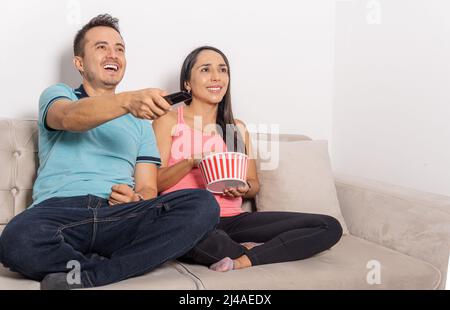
(122, 193)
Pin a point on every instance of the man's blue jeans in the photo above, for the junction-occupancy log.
(130, 239)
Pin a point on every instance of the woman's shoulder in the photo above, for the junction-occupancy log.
(239, 122)
(165, 123)
(240, 126)
(170, 117)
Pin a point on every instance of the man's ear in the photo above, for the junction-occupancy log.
(78, 63)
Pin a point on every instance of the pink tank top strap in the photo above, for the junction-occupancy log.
(180, 120)
(180, 115)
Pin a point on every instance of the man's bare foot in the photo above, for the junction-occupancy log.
(250, 245)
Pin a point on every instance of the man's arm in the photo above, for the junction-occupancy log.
(91, 112)
(145, 177)
(145, 186)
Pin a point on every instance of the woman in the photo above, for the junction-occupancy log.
(242, 239)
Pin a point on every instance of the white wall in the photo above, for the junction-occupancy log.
(281, 53)
(380, 82)
(391, 119)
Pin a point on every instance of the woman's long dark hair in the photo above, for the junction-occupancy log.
(224, 112)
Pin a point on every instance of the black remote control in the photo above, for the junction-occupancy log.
(178, 97)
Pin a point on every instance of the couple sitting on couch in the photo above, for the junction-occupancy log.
(95, 200)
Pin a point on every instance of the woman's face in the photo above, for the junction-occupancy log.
(209, 77)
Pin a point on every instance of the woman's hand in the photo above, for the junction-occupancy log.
(197, 158)
(194, 162)
(122, 193)
(235, 192)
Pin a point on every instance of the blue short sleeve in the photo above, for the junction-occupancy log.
(48, 97)
(148, 149)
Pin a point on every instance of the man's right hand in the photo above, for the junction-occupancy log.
(148, 103)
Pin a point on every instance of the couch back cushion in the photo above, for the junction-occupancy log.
(302, 181)
(18, 165)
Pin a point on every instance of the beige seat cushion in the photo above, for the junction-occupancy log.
(170, 276)
(14, 281)
(342, 267)
(302, 182)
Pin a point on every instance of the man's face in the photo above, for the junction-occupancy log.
(103, 64)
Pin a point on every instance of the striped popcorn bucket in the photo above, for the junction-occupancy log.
(222, 170)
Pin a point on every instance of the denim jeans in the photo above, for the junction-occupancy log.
(129, 239)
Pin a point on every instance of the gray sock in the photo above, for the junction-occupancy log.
(58, 281)
(223, 265)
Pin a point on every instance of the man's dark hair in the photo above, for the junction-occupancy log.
(105, 20)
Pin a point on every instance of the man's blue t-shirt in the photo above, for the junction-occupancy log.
(90, 162)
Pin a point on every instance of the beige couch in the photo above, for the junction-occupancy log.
(406, 231)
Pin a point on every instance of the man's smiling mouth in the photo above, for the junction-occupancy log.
(112, 67)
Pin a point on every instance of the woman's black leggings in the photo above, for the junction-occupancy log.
(286, 236)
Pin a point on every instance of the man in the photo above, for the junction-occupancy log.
(95, 208)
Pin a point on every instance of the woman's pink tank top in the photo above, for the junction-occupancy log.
(186, 142)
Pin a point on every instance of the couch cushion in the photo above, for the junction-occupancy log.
(302, 182)
(170, 276)
(342, 267)
(14, 281)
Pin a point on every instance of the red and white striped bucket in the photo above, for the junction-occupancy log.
(222, 170)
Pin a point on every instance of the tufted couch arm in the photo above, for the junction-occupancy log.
(408, 221)
(18, 164)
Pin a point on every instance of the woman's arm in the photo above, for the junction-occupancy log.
(252, 177)
(169, 176)
(252, 188)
